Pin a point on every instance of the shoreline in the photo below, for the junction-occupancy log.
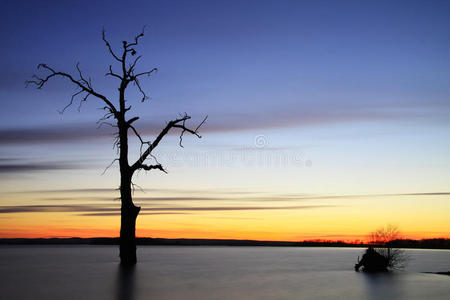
(441, 244)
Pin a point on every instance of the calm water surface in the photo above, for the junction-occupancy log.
(92, 272)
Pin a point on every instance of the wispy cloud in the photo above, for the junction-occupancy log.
(424, 194)
(144, 191)
(215, 208)
(100, 194)
(8, 167)
(72, 191)
(182, 204)
(99, 210)
(230, 122)
(54, 208)
(107, 214)
(297, 197)
(52, 134)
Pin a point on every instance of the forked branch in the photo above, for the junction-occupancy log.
(136, 38)
(177, 123)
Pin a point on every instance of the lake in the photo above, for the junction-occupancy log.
(178, 272)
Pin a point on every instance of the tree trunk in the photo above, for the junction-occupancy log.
(129, 211)
(129, 214)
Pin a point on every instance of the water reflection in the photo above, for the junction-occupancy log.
(382, 285)
(75, 272)
(126, 282)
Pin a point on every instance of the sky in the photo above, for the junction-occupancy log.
(326, 119)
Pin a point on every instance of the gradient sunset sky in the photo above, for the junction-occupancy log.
(327, 119)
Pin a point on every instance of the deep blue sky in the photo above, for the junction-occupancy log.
(289, 58)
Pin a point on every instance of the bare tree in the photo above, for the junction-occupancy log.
(116, 111)
(381, 239)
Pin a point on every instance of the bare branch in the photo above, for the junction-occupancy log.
(102, 120)
(128, 74)
(83, 100)
(109, 46)
(71, 101)
(136, 39)
(138, 135)
(87, 83)
(146, 73)
(194, 132)
(84, 85)
(109, 166)
(134, 185)
(181, 134)
(111, 73)
(154, 157)
(152, 167)
(130, 70)
(105, 123)
(134, 77)
(116, 143)
(106, 116)
(130, 121)
(200, 125)
(144, 96)
(178, 123)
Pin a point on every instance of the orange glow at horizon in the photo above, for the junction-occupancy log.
(268, 225)
(214, 215)
(191, 234)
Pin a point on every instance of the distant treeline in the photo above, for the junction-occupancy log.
(423, 244)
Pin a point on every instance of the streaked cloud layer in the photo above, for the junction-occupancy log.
(93, 209)
(148, 203)
(26, 167)
(228, 123)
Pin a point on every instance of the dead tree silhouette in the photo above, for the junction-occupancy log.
(127, 75)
